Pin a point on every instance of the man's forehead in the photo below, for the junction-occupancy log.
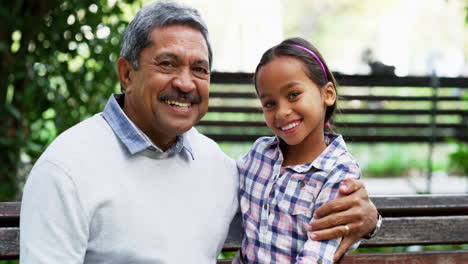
(180, 40)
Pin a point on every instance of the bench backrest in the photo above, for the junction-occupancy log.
(434, 109)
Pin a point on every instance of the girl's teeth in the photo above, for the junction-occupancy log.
(290, 126)
(179, 104)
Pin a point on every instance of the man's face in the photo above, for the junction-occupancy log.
(168, 94)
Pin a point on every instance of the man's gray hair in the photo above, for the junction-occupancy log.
(159, 14)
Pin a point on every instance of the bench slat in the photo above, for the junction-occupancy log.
(433, 230)
(427, 257)
(339, 125)
(9, 209)
(353, 138)
(421, 205)
(246, 109)
(250, 95)
(9, 243)
(353, 80)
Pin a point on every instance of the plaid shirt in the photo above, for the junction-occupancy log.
(278, 203)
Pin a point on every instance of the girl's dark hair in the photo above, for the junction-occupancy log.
(313, 69)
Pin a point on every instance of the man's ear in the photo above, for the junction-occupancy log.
(329, 94)
(124, 70)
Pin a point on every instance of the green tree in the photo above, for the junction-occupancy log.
(56, 68)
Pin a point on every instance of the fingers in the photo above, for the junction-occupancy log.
(333, 220)
(334, 232)
(348, 186)
(355, 209)
(346, 242)
(337, 205)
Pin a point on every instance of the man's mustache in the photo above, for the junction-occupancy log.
(194, 99)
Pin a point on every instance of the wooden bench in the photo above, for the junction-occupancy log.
(408, 220)
(434, 109)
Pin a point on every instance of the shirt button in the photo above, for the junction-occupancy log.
(319, 261)
(302, 184)
(265, 207)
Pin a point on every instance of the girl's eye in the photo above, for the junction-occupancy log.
(292, 96)
(268, 104)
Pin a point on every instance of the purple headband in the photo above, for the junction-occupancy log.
(316, 58)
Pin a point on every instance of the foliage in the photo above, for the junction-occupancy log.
(458, 160)
(57, 68)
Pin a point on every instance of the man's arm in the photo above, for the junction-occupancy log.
(353, 208)
(52, 223)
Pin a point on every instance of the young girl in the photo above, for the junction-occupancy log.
(285, 178)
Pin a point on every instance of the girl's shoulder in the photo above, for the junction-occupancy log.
(263, 146)
(264, 142)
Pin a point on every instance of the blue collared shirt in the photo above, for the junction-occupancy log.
(131, 136)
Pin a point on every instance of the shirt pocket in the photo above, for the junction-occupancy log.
(298, 197)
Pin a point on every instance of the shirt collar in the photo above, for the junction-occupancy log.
(131, 136)
(327, 159)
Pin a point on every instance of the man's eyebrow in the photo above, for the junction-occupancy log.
(166, 55)
(202, 62)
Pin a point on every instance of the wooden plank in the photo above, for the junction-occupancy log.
(9, 214)
(427, 257)
(9, 243)
(348, 138)
(400, 139)
(338, 125)
(251, 95)
(10, 209)
(240, 109)
(234, 238)
(421, 205)
(354, 80)
(425, 230)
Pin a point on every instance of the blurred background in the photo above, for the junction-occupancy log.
(57, 67)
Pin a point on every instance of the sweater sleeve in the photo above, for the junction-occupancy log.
(54, 226)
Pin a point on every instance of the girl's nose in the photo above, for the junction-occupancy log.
(283, 112)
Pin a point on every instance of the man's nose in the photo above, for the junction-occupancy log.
(184, 81)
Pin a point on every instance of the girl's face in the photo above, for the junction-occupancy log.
(293, 105)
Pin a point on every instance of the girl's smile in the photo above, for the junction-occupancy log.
(290, 127)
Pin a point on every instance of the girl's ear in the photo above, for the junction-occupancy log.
(329, 94)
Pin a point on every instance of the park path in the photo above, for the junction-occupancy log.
(441, 183)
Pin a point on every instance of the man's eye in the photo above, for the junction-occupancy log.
(201, 70)
(166, 64)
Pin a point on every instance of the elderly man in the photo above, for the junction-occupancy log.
(137, 183)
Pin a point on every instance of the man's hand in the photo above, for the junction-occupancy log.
(352, 209)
